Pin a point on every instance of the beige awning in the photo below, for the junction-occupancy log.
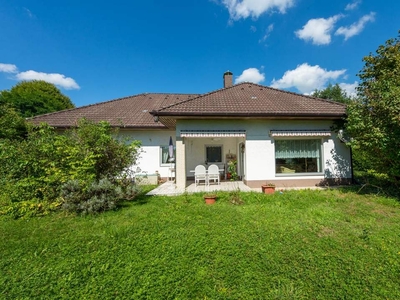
(212, 133)
(299, 133)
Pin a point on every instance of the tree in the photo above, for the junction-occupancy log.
(31, 98)
(333, 92)
(12, 125)
(374, 117)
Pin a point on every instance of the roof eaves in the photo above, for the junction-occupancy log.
(248, 114)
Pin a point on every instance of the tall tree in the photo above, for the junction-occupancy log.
(31, 98)
(374, 117)
(333, 92)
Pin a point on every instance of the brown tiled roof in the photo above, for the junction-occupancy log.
(253, 100)
(241, 100)
(129, 112)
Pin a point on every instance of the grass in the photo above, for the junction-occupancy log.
(297, 245)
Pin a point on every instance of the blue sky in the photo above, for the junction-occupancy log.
(102, 50)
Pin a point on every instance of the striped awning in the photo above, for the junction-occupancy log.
(212, 133)
(300, 133)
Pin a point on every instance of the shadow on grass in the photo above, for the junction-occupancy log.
(140, 199)
(367, 184)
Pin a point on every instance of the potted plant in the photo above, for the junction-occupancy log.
(232, 172)
(210, 198)
(268, 188)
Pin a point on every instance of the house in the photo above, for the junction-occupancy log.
(272, 135)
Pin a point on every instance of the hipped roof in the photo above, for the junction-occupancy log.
(244, 100)
(127, 112)
(253, 100)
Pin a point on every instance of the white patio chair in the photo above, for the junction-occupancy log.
(213, 174)
(200, 174)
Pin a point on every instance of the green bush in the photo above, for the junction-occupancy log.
(12, 125)
(29, 208)
(98, 196)
(35, 168)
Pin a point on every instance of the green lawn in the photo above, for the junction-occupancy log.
(297, 245)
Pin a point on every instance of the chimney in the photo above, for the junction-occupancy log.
(228, 79)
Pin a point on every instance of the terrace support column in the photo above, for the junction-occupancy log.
(180, 167)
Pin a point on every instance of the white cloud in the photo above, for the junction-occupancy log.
(29, 13)
(349, 88)
(267, 33)
(306, 78)
(318, 30)
(253, 28)
(353, 5)
(58, 79)
(250, 75)
(8, 68)
(356, 27)
(254, 8)
(55, 78)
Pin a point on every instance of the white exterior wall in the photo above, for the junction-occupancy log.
(150, 156)
(337, 159)
(259, 148)
(260, 151)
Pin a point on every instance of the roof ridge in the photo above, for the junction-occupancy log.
(302, 95)
(168, 94)
(198, 96)
(255, 84)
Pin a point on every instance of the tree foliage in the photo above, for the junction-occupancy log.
(374, 117)
(31, 98)
(33, 170)
(333, 92)
(12, 125)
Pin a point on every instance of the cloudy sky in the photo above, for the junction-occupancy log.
(98, 51)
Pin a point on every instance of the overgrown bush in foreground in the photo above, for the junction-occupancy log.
(34, 169)
(96, 197)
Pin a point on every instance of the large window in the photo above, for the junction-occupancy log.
(298, 156)
(166, 159)
(213, 154)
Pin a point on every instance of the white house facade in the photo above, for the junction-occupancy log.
(270, 135)
(316, 157)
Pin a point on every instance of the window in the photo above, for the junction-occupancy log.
(165, 157)
(298, 156)
(213, 154)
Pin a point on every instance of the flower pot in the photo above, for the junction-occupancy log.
(267, 189)
(210, 199)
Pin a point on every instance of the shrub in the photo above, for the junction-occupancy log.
(29, 208)
(35, 168)
(98, 196)
(110, 156)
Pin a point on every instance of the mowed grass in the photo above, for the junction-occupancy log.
(307, 244)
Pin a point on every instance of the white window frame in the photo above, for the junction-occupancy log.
(321, 158)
